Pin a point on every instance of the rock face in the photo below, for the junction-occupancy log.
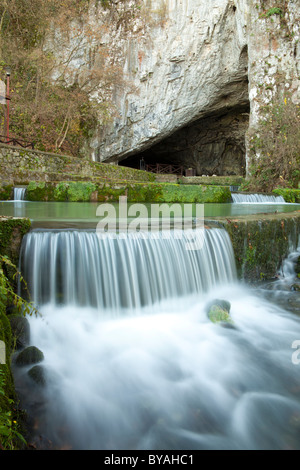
(201, 75)
(193, 66)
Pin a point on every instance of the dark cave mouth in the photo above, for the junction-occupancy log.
(212, 145)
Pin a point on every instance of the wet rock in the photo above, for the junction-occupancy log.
(29, 355)
(21, 330)
(221, 303)
(297, 267)
(218, 312)
(295, 287)
(37, 374)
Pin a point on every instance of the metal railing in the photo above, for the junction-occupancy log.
(17, 142)
(165, 169)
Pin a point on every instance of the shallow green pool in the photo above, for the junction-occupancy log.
(75, 214)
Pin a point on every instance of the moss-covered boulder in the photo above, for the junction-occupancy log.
(297, 267)
(218, 312)
(12, 230)
(37, 374)
(21, 330)
(29, 355)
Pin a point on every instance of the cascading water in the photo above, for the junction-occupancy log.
(159, 374)
(100, 270)
(19, 194)
(256, 198)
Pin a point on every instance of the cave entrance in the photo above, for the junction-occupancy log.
(212, 145)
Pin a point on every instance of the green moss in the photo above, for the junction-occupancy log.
(261, 244)
(6, 191)
(60, 193)
(213, 180)
(194, 193)
(135, 191)
(40, 191)
(8, 396)
(288, 194)
(80, 191)
(274, 11)
(12, 231)
(219, 315)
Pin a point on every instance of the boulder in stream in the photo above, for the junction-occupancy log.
(218, 312)
(29, 355)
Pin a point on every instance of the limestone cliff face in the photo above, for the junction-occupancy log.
(206, 62)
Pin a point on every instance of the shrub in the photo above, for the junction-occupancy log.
(275, 147)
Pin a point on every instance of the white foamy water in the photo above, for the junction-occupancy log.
(170, 379)
(19, 194)
(256, 198)
(159, 374)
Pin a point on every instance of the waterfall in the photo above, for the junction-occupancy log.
(104, 271)
(256, 198)
(19, 194)
(162, 375)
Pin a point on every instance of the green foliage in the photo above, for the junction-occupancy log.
(54, 104)
(288, 194)
(80, 191)
(7, 293)
(135, 191)
(275, 148)
(5, 191)
(10, 436)
(194, 193)
(274, 11)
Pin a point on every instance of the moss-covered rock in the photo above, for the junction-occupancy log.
(297, 267)
(80, 191)
(37, 374)
(20, 329)
(12, 231)
(261, 242)
(29, 355)
(213, 180)
(218, 312)
(7, 395)
(141, 192)
(194, 194)
(40, 191)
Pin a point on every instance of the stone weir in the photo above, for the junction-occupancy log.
(261, 242)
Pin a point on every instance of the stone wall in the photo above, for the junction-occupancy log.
(19, 166)
(261, 243)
